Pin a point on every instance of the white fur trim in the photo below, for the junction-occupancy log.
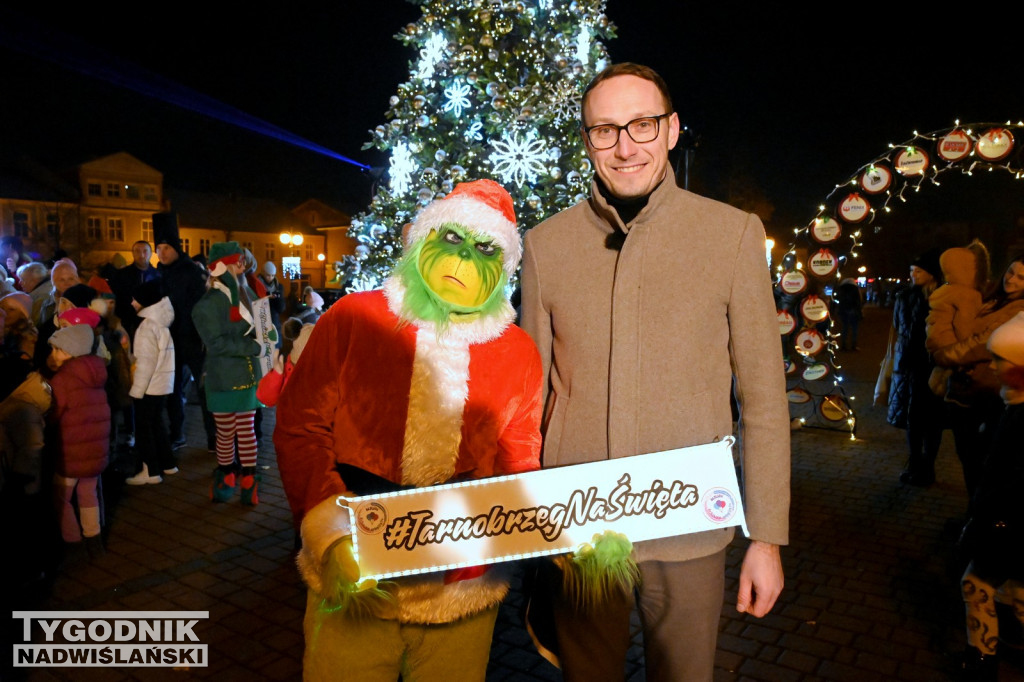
(323, 526)
(478, 330)
(476, 216)
(426, 599)
(437, 396)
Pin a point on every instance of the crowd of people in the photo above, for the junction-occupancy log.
(94, 371)
(958, 364)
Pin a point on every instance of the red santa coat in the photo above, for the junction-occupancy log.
(393, 399)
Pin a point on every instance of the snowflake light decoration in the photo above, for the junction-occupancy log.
(564, 101)
(473, 131)
(518, 159)
(430, 55)
(583, 46)
(402, 166)
(457, 97)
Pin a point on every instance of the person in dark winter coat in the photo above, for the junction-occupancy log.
(912, 404)
(994, 535)
(184, 282)
(82, 415)
(849, 305)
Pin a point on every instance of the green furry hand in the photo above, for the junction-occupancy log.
(341, 572)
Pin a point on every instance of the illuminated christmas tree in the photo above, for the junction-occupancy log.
(493, 92)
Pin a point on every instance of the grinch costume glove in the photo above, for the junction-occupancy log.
(594, 571)
(327, 561)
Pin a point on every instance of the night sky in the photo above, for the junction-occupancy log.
(785, 103)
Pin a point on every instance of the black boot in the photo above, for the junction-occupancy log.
(979, 667)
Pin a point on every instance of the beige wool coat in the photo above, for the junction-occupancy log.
(640, 346)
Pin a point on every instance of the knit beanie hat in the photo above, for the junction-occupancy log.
(316, 301)
(86, 316)
(75, 340)
(148, 293)
(80, 295)
(1007, 341)
(269, 269)
(929, 262)
(484, 207)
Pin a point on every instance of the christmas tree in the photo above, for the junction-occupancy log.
(493, 92)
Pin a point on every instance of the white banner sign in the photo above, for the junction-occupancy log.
(266, 333)
(546, 512)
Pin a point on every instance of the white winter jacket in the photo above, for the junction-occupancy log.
(154, 351)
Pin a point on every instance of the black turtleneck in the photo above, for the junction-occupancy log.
(628, 209)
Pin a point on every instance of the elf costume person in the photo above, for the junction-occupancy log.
(231, 370)
(423, 382)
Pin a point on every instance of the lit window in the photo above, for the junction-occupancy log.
(147, 231)
(21, 225)
(115, 230)
(94, 228)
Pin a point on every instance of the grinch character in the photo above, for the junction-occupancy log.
(423, 382)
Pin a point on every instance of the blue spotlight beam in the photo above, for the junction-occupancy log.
(21, 35)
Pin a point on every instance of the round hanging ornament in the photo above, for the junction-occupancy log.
(787, 323)
(995, 145)
(911, 161)
(954, 145)
(794, 282)
(814, 308)
(833, 408)
(823, 263)
(854, 208)
(788, 366)
(798, 396)
(876, 179)
(815, 371)
(825, 230)
(809, 342)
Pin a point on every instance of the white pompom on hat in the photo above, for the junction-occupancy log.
(1007, 341)
(483, 206)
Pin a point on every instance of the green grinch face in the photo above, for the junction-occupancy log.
(459, 266)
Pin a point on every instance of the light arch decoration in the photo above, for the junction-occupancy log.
(813, 266)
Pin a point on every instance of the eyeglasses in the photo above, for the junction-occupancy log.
(640, 130)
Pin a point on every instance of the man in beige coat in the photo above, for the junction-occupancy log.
(651, 306)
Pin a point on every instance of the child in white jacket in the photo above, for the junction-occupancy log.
(152, 382)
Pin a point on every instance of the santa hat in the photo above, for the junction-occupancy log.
(1007, 341)
(484, 207)
(101, 286)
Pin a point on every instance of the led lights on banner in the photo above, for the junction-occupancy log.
(545, 512)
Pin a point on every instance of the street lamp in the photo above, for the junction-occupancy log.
(291, 239)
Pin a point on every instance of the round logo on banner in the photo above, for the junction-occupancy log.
(815, 371)
(794, 282)
(911, 161)
(995, 144)
(825, 230)
(371, 517)
(955, 145)
(719, 505)
(824, 263)
(832, 408)
(854, 208)
(798, 396)
(814, 308)
(809, 342)
(876, 179)
(787, 323)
